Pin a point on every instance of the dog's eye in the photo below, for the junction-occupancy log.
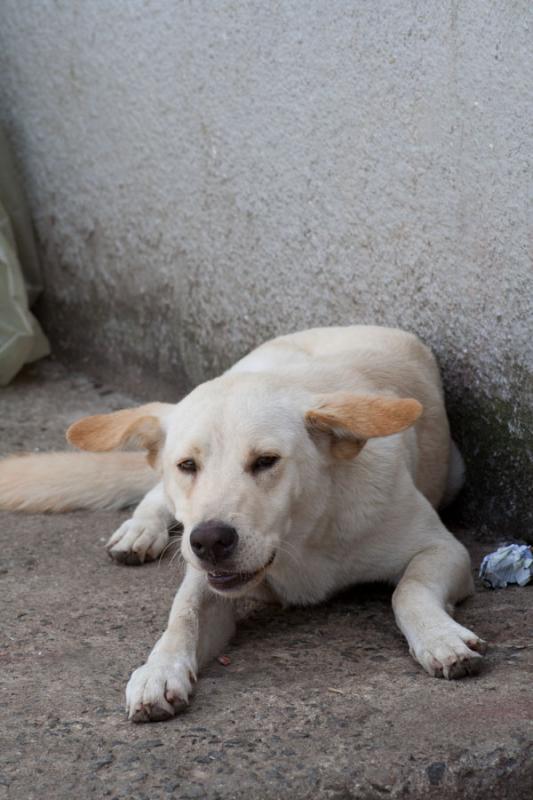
(189, 465)
(264, 462)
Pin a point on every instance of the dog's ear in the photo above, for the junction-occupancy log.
(350, 419)
(140, 427)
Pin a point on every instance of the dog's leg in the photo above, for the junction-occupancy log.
(435, 579)
(199, 625)
(144, 536)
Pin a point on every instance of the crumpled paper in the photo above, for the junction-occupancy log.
(512, 563)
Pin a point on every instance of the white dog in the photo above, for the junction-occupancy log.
(316, 462)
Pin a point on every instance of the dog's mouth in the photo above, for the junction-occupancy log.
(223, 580)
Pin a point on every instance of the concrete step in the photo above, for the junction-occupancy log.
(320, 702)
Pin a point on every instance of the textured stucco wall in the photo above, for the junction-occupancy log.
(205, 175)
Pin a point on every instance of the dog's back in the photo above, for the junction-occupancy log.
(368, 358)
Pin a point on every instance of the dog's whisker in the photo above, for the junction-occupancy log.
(169, 545)
(172, 544)
(177, 555)
(283, 548)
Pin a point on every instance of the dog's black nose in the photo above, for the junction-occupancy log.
(213, 541)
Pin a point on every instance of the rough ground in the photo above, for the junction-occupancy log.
(316, 703)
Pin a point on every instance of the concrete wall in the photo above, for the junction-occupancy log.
(205, 175)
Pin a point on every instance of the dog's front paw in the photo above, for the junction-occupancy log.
(449, 652)
(137, 541)
(159, 689)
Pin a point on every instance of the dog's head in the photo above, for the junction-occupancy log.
(244, 460)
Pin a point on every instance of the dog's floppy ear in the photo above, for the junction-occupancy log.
(139, 426)
(351, 419)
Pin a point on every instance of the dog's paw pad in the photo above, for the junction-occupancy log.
(451, 653)
(136, 542)
(175, 699)
(151, 713)
(158, 690)
(126, 557)
(464, 665)
(479, 645)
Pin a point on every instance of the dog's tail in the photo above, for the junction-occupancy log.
(67, 481)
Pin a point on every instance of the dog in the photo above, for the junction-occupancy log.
(314, 463)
